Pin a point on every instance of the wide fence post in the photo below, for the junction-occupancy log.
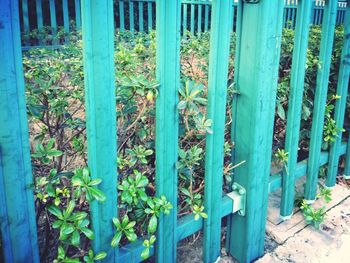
(260, 38)
(325, 59)
(167, 124)
(100, 97)
(339, 112)
(301, 38)
(220, 36)
(17, 211)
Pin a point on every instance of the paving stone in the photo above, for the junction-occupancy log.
(281, 230)
(329, 244)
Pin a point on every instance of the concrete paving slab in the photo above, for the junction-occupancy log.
(329, 244)
(281, 230)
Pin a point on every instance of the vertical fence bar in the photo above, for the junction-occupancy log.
(301, 38)
(98, 49)
(220, 36)
(121, 16)
(346, 172)
(339, 112)
(288, 17)
(199, 21)
(294, 17)
(150, 16)
(321, 15)
(260, 38)
(140, 16)
(17, 211)
(206, 18)
(168, 74)
(39, 14)
(325, 58)
(285, 18)
(39, 18)
(53, 21)
(313, 12)
(77, 14)
(65, 19)
(131, 16)
(184, 22)
(317, 11)
(192, 19)
(25, 16)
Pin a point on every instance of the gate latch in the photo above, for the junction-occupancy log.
(238, 196)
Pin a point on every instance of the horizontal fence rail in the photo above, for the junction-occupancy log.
(57, 18)
(258, 27)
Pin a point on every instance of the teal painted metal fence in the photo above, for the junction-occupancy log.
(134, 15)
(259, 27)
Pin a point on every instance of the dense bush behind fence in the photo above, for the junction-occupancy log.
(59, 17)
(259, 27)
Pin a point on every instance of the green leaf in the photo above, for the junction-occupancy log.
(54, 153)
(77, 181)
(131, 236)
(69, 209)
(142, 182)
(182, 105)
(116, 223)
(152, 225)
(97, 194)
(130, 225)
(95, 182)
(145, 253)
(152, 239)
(86, 175)
(78, 216)
(280, 111)
(116, 239)
(57, 224)
(75, 238)
(60, 253)
(142, 195)
(50, 144)
(100, 256)
(55, 211)
(185, 191)
(66, 229)
(87, 232)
